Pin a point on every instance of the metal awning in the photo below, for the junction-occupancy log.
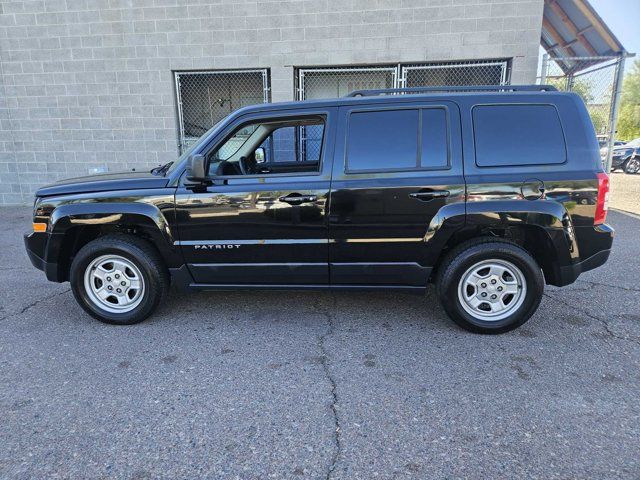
(572, 28)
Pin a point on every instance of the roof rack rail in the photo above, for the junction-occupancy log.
(469, 88)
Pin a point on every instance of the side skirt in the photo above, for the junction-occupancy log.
(181, 278)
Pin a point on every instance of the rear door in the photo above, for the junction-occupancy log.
(395, 167)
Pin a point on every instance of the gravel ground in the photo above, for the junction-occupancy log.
(625, 192)
(256, 385)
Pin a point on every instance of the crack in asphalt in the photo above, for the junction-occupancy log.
(628, 289)
(603, 321)
(324, 361)
(34, 303)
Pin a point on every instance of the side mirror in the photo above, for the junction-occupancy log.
(259, 155)
(197, 168)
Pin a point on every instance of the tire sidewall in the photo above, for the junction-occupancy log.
(474, 255)
(141, 311)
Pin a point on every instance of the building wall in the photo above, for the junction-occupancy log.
(89, 83)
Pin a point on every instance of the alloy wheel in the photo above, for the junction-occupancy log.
(492, 289)
(114, 283)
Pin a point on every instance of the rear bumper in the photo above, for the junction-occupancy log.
(570, 273)
(595, 246)
(35, 245)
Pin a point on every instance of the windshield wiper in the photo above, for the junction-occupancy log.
(162, 169)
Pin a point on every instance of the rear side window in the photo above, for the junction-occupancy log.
(518, 135)
(397, 140)
(384, 140)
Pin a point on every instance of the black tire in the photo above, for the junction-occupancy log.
(145, 258)
(471, 253)
(632, 166)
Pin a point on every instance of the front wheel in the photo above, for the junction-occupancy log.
(118, 279)
(632, 166)
(490, 286)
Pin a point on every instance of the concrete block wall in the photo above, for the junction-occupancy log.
(88, 83)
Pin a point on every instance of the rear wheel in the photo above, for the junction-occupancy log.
(490, 286)
(118, 279)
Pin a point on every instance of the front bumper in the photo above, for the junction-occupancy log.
(35, 244)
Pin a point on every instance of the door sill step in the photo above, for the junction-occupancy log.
(405, 288)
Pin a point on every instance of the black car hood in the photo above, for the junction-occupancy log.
(104, 182)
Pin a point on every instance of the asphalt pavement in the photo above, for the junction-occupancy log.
(257, 385)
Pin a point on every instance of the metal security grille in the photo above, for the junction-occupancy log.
(491, 72)
(332, 82)
(598, 80)
(205, 98)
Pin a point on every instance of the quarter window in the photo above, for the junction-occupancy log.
(518, 135)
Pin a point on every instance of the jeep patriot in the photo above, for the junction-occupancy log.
(488, 192)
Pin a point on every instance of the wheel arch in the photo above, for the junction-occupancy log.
(541, 227)
(75, 225)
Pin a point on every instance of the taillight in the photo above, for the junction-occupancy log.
(602, 204)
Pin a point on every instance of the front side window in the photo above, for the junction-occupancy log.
(270, 147)
(235, 143)
(398, 140)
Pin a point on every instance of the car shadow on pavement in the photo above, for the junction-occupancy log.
(372, 308)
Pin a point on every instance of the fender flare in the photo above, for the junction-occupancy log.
(68, 216)
(65, 218)
(550, 218)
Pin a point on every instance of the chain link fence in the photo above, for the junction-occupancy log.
(598, 82)
(456, 74)
(205, 98)
(332, 82)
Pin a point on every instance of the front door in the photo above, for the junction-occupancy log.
(263, 219)
(395, 167)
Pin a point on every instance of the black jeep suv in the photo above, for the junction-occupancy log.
(489, 193)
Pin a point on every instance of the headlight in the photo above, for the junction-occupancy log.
(41, 215)
(36, 202)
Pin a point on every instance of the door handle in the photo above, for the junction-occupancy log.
(426, 196)
(296, 199)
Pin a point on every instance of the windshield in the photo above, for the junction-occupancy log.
(188, 151)
(633, 143)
